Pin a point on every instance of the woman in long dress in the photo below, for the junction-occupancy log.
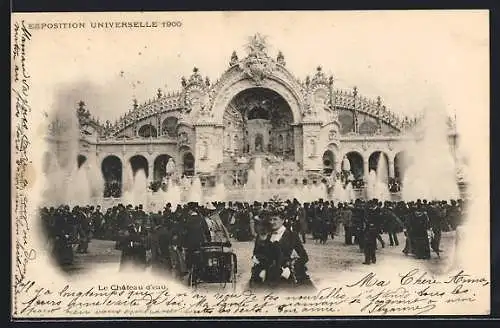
(279, 258)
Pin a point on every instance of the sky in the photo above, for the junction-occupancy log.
(406, 57)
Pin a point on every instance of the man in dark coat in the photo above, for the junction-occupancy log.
(419, 226)
(358, 218)
(134, 245)
(370, 242)
(84, 230)
(392, 224)
(196, 233)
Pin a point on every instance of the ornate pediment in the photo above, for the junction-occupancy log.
(195, 95)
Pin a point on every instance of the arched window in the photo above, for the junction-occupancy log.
(328, 162)
(188, 164)
(169, 126)
(368, 128)
(148, 131)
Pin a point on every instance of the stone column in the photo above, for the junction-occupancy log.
(151, 167)
(391, 167)
(366, 168)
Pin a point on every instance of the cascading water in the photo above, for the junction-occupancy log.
(81, 195)
(377, 186)
(254, 181)
(195, 193)
(96, 181)
(173, 193)
(219, 192)
(431, 173)
(137, 193)
(349, 191)
(66, 182)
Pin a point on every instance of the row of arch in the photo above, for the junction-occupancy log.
(393, 168)
(112, 170)
(168, 128)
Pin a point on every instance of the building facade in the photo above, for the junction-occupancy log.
(302, 129)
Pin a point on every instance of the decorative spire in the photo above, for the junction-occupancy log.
(379, 102)
(355, 91)
(207, 81)
(234, 59)
(330, 80)
(257, 45)
(281, 59)
(135, 104)
(159, 93)
(82, 113)
(183, 82)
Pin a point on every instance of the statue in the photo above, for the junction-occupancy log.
(170, 168)
(346, 165)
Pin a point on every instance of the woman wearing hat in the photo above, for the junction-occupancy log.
(279, 257)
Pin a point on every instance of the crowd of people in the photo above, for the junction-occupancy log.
(167, 240)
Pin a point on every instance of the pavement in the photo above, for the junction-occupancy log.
(326, 261)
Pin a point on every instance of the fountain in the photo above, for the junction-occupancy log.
(219, 192)
(343, 193)
(431, 173)
(339, 193)
(66, 182)
(195, 194)
(377, 181)
(254, 181)
(138, 190)
(349, 191)
(173, 193)
(78, 196)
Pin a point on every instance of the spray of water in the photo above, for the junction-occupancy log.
(137, 192)
(195, 193)
(66, 183)
(377, 186)
(431, 173)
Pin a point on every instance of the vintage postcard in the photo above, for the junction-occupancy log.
(208, 164)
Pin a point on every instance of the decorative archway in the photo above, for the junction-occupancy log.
(139, 162)
(240, 83)
(112, 168)
(379, 162)
(263, 118)
(160, 167)
(356, 163)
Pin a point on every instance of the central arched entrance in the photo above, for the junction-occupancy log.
(258, 120)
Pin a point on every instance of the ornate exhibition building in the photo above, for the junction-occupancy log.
(301, 130)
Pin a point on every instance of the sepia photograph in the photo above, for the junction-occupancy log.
(250, 163)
